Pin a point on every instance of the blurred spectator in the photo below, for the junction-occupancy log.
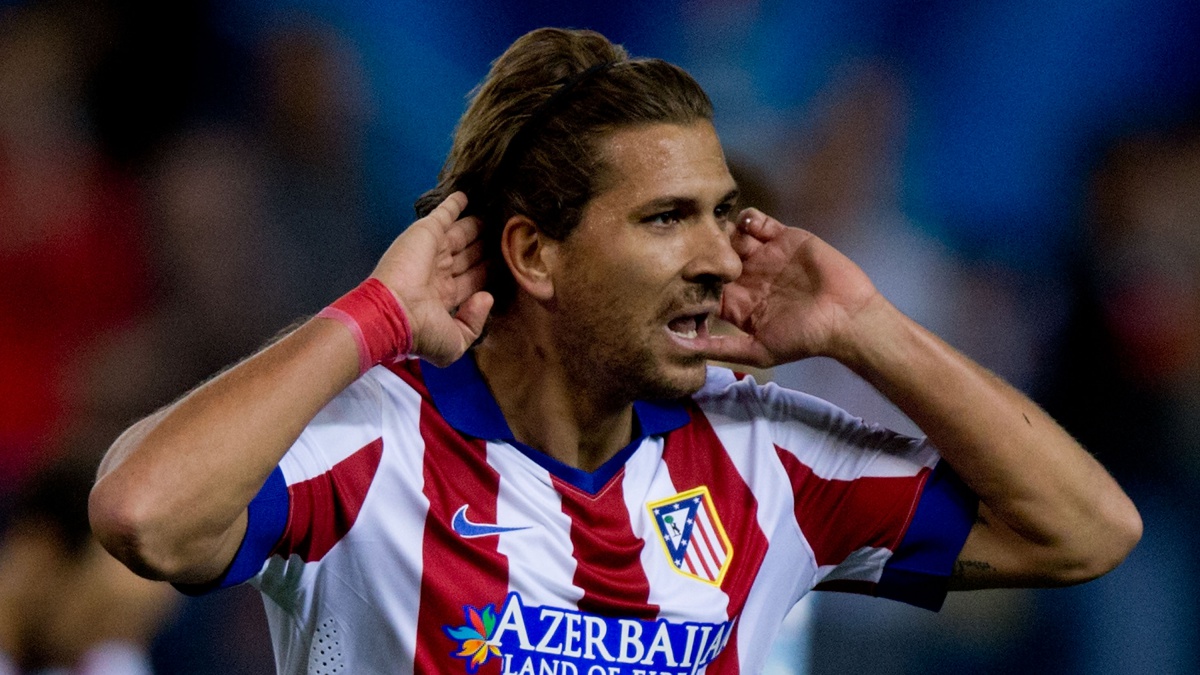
(257, 216)
(1128, 386)
(844, 186)
(259, 220)
(66, 606)
(1134, 387)
(71, 265)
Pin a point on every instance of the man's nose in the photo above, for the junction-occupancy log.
(713, 254)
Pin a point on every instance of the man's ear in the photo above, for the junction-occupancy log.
(531, 256)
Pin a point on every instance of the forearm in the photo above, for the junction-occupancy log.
(172, 492)
(1071, 518)
(172, 495)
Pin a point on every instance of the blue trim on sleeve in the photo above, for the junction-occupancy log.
(268, 516)
(920, 567)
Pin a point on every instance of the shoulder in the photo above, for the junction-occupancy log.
(739, 395)
(796, 420)
(372, 407)
(400, 385)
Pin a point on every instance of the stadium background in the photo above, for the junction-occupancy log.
(178, 181)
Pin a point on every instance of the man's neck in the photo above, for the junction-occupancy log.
(570, 421)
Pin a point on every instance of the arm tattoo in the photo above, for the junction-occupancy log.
(971, 568)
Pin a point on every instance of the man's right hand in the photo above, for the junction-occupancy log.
(436, 270)
(171, 495)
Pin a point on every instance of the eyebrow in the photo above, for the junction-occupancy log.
(678, 202)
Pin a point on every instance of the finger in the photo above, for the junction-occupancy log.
(472, 315)
(470, 282)
(465, 259)
(447, 212)
(759, 225)
(744, 245)
(741, 349)
(737, 304)
(463, 233)
(457, 237)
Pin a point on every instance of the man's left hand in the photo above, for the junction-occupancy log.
(797, 295)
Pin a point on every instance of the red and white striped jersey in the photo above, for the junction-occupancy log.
(407, 531)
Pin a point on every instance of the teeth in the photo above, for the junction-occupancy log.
(687, 327)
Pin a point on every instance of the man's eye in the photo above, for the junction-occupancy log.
(723, 211)
(665, 218)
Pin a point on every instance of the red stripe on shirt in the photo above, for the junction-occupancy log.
(712, 551)
(608, 564)
(709, 573)
(409, 370)
(322, 509)
(457, 572)
(694, 455)
(838, 517)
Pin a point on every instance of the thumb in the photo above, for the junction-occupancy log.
(472, 314)
(740, 349)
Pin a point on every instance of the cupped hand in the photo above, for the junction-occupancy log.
(437, 271)
(797, 296)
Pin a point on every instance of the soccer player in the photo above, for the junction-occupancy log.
(574, 490)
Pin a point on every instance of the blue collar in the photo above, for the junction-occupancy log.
(464, 400)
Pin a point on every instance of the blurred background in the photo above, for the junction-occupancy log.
(179, 181)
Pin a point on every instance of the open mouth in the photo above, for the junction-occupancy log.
(689, 327)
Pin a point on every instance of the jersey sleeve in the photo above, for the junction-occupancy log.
(311, 499)
(920, 567)
(880, 511)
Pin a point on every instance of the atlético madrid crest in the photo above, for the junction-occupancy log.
(692, 535)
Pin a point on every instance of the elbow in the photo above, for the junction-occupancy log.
(1125, 531)
(126, 525)
(1111, 539)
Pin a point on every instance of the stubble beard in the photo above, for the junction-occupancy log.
(607, 362)
(616, 355)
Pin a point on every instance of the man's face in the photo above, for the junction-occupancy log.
(641, 275)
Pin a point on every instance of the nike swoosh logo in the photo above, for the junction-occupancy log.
(469, 530)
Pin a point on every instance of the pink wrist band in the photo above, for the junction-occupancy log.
(377, 322)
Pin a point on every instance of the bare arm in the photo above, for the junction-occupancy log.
(1049, 513)
(170, 500)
